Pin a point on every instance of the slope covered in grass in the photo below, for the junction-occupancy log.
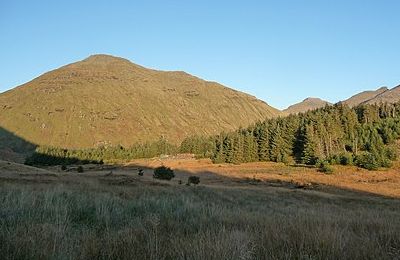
(106, 100)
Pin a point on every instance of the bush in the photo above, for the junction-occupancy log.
(367, 160)
(334, 160)
(163, 173)
(194, 180)
(346, 159)
(80, 169)
(140, 172)
(324, 167)
(320, 163)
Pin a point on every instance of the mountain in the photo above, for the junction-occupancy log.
(388, 96)
(307, 104)
(106, 100)
(364, 96)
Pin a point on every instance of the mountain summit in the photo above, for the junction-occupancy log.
(307, 104)
(105, 100)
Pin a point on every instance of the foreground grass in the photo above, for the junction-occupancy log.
(100, 221)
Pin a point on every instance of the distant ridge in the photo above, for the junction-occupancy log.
(107, 100)
(364, 97)
(388, 96)
(306, 105)
(381, 95)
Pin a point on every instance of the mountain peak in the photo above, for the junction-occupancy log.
(107, 100)
(313, 99)
(104, 58)
(307, 104)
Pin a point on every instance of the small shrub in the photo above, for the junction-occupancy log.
(320, 163)
(324, 167)
(80, 169)
(163, 173)
(346, 159)
(194, 180)
(367, 160)
(334, 160)
(63, 167)
(140, 172)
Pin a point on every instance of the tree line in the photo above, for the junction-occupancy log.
(47, 155)
(337, 134)
(364, 136)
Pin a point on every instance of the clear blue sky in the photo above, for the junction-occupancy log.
(279, 51)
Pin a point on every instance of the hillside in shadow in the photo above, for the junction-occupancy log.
(14, 148)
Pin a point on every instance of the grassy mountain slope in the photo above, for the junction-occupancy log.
(306, 105)
(109, 100)
(364, 96)
(389, 96)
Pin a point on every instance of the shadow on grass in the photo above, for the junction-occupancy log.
(17, 149)
(128, 176)
(13, 147)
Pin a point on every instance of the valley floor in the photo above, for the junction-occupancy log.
(248, 211)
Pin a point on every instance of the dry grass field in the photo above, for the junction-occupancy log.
(249, 211)
(385, 182)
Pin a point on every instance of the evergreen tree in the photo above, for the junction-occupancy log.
(280, 150)
(262, 138)
(310, 145)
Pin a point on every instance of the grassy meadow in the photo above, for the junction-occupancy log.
(126, 217)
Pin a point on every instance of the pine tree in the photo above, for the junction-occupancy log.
(309, 153)
(250, 149)
(263, 143)
(228, 149)
(237, 148)
(279, 151)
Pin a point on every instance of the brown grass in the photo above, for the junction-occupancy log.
(384, 182)
(252, 211)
